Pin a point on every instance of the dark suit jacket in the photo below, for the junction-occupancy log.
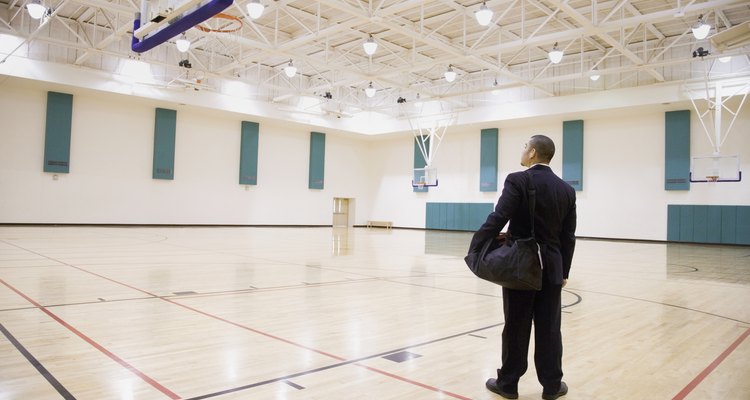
(555, 218)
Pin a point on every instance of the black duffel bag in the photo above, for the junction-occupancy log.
(508, 262)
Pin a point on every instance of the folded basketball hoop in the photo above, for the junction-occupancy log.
(429, 127)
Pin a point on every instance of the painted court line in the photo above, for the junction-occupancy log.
(162, 388)
(39, 367)
(698, 379)
(284, 340)
(156, 385)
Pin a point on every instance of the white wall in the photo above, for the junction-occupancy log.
(112, 144)
(623, 177)
(111, 160)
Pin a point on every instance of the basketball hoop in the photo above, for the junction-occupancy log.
(429, 124)
(233, 25)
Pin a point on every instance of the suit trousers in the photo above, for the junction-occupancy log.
(521, 308)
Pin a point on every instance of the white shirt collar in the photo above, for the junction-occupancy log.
(534, 165)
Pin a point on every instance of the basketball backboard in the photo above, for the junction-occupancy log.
(716, 168)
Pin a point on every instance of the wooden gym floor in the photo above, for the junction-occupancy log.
(321, 313)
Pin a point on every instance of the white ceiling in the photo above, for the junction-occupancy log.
(632, 44)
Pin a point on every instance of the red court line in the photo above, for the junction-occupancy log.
(698, 379)
(96, 345)
(422, 385)
(401, 378)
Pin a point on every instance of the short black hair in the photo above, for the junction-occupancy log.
(545, 147)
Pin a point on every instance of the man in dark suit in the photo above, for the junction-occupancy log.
(554, 225)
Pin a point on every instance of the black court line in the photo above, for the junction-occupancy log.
(336, 365)
(294, 385)
(666, 305)
(39, 367)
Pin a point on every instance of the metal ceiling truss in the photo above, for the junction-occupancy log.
(628, 42)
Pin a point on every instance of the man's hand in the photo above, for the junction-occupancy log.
(565, 282)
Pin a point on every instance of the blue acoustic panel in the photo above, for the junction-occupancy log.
(57, 132)
(432, 216)
(700, 224)
(478, 214)
(713, 224)
(677, 150)
(165, 127)
(317, 160)
(488, 159)
(573, 153)
(673, 222)
(249, 153)
(686, 223)
(450, 216)
(456, 216)
(728, 224)
(743, 225)
(419, 161)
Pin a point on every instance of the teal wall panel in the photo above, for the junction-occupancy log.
(57, 132)
(456, 216)
(432, 215)
(713, 224)
(708, 224)
(686, 224)
(317, 160)
(677, 150)
(700, 222)
(450, 222)
(673, 222)
(728, 224)
(165, 127)
(249, 153)
(573, 153)
(419, 162)
(488, 159)
(743, 225)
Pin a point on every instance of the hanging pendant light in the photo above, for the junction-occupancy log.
(556, 55)
(450, 74)
(484, 15)
(36, 9)
(370, 91)
(594, 76)
(183, 44)
(370, 46)
(290, 70)
(255, 9)
(701, 28)
(495, 89)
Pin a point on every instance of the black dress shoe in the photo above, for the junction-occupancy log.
(562, 392)
(492, 386)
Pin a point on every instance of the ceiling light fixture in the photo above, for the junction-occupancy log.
(556, 55)
(594, 74)
(290, 70)
(495, 89)
(450, 74)
(370, 46)
(725, 59)
(369, 90)
(701, 28)
(484, 15)
(36, 9)
(255, 9)
(183, 44)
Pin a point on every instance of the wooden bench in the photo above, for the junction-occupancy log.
(380, 224)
